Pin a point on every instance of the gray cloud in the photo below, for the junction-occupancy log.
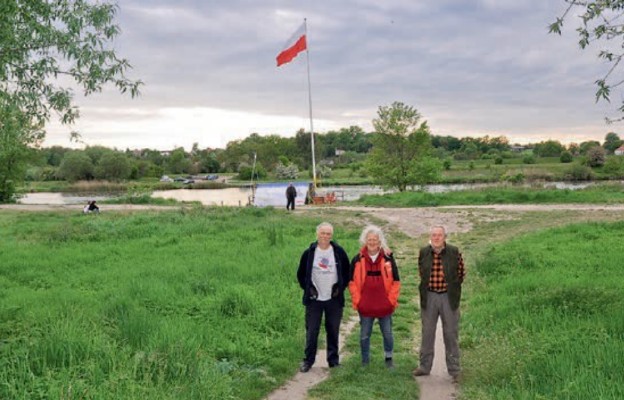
(470, 67)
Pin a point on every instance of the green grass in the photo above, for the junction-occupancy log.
(143, 198)
(188, 304)
(603, 194)
(546, 322)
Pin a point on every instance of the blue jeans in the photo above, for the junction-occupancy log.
(366, 328)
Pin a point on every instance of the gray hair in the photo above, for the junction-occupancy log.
(376, 231)
(324, 225)
(438, 227)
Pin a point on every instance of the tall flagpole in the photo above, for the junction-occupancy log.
(305, 24)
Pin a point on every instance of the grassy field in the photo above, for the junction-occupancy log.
(188, 304)
(203, 303)
(546, 321)
(603, 194)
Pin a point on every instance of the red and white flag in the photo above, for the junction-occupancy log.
(295, 45)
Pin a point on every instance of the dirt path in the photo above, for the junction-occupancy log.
(297, 388)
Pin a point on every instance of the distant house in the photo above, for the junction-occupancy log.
(619, 151)
(516, 148)
(340, 152)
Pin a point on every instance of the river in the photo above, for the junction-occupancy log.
(266, 194)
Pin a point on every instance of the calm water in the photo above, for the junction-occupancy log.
(267, 194)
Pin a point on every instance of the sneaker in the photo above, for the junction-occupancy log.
(305, 367)
(389, 363)
(420, 372)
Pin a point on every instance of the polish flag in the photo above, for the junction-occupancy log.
(295, 45)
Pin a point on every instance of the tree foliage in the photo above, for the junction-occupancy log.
(113, 166)
(548, 148)
(600, 24)
(17, 132)
(76, 165)
(401, 147)
(45, 45)
(612, 142)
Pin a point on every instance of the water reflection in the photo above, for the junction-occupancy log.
(208, 197)
(60, 198)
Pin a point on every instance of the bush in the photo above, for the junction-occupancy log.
(447, 164)
(578, 172)
(515, 178)
(565, 157)
(596, 156)
(244, 172)
(498, 160)
(286, 172)
(528, 159)
(614, 166)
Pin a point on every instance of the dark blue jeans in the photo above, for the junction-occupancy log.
(313, 315)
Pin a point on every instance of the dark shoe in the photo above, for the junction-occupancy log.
(305, 367)
(334, 365)
(389, 363)
(456, 377)
(420, 372)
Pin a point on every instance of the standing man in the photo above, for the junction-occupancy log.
(323, 274)
(442, 273)
(291, 193)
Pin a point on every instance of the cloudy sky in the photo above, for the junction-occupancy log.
(471, 68)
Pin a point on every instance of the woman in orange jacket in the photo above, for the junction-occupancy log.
(375, 287)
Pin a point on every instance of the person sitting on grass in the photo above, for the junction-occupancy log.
(91, 207)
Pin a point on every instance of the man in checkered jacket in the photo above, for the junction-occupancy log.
(442, 273)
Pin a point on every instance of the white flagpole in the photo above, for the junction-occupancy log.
(305, 24)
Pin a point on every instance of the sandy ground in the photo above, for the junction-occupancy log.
(411, 221)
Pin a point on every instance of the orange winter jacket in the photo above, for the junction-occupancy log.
(389, 274)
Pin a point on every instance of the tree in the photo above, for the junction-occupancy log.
(76, 165)
(401, 147)
(585, 146)
(600, 23)
(178, 162)
(113, 166)
(16, 134)
(612, 142)
(549, 148)
(41, 41)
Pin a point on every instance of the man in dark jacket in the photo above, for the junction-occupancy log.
(291, 193)
(323, 274)
(442, 273)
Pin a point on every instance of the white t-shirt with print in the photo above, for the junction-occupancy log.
(324, 272)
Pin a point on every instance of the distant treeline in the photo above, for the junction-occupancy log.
(347, 146)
